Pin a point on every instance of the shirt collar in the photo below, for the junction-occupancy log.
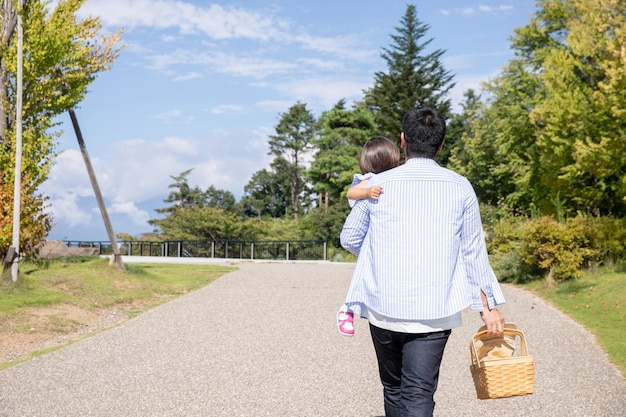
(421, 160)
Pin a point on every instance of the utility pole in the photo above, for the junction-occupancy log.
(116, 257)
(14, 251)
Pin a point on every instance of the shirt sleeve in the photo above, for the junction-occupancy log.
(355, 228)
(479, 271)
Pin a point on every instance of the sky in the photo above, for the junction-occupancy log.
(202, 85)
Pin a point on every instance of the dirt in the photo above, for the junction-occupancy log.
(50, 327)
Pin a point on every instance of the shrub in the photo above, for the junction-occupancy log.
(521, 249)
(558, 250)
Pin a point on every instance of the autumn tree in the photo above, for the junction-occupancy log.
(62, 56)
(415, 76)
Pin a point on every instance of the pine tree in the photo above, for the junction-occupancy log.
(293, 139)
(414, 77)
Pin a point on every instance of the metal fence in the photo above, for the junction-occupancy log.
(227, 249)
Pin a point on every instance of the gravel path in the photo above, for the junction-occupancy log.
(262, 341)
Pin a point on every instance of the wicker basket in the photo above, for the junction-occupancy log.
(498, 377)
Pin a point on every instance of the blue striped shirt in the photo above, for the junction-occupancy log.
(421, 248)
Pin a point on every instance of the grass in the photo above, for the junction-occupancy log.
(91, 284)
(598, 302)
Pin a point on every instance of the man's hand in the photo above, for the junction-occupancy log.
(494, 320)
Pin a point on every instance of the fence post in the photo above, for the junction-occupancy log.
(252, 250)
(325, 249)
(287, 250)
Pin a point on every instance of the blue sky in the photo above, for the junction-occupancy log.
(202, 85)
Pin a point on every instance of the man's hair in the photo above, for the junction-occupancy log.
(379, 154)
(424, 130)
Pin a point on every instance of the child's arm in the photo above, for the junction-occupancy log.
(359, 192)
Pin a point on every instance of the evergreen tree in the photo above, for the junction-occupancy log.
(267, 194)
(342, 134)
(459, 125)
(293, 140)
(414, 77)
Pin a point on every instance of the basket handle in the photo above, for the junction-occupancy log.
(515, 332)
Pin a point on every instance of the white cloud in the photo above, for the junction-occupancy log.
(274, 106)
(227, 108)
(188, 76)
(222, 62)
(214, 20)
(323, 91)
(323, 64)
(137, 216)
(139, 170)
(171, 116)
(481, 10)
(345, 47)
(65, 208)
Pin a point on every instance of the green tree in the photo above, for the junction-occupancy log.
(181, 194)
(498, 152)
(414, 77)
(199, 223)
(342, 134)
(214, 197)
(198, 214)
(581, 137)
(293, 139)
(62, 56)
(458, 125)
(267, 194)
(550, 138)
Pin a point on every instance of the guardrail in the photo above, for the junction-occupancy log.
(229, 249)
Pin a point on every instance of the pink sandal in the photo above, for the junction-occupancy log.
(345, 321)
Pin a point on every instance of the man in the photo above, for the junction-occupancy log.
(422, 259)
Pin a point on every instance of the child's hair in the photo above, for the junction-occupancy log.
(379, 154)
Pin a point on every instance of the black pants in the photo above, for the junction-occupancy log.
(408, 364)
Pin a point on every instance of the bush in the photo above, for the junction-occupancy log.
(557, 249)
(521, 249)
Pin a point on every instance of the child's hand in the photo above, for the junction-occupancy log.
(375, 192)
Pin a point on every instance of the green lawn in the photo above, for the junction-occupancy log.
(47, 288)
(92, 284)
(598, 302)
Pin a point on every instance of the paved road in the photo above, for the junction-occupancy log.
(262, 341)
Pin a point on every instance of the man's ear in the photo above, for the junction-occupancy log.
(441, 146)
(402, 142)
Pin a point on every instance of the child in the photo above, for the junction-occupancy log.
(378, 154)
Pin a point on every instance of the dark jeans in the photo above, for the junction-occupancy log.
(409, 370)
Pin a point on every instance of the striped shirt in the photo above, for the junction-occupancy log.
(422, 252)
